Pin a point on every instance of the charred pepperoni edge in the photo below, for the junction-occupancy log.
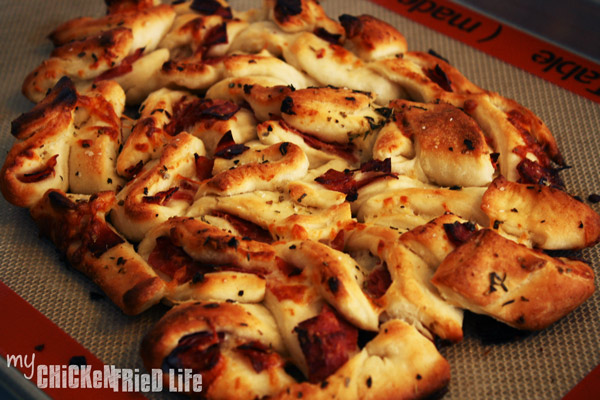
(174, 262)
(338, 181)
(384, 166)
(160, 198)
(61, 202)
(185, 116)
(260, 356)
(532, 172)
(352, 25)
(287, 8)
(41, 174)
(459, 232)
(344, 181)
(338, 243)
(246, 228)
(123, 68)
(98, 238)
(227, 148)
(135, 169)
(199, 352)
(217, 35)
(333, 38)
(211, 7)
(438, 76)
(225, 141)
(327, 342)
(62, 95)
(519, 121)
(232, 151)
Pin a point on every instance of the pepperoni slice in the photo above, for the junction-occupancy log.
(246, 228)
(532, 172)
(327, 342)
(160, 198)
(174, 262)
(438, 75)
(123, 68)
(199, 352)
(40, 175)
(211, 7)
(458, 233)
(345, 151)
(204, 167)
(344, 181)
(100, 238)
(259, 355)
(186, 115)
(378, 282)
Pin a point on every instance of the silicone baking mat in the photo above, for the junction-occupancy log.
(491, 362)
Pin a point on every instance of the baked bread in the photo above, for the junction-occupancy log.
(519, 286)
(316, 203)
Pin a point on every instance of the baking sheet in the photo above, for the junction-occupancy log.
(487, 364)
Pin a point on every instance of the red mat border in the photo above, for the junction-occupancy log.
(545, 60)
(26, 331)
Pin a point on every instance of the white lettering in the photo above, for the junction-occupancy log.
(42, 381)
(85, 382)
(22, 363)
(157, 380)
(73, 382)
(126, 380)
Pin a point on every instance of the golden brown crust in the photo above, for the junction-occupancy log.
(331, 64)
(88, 47)
(449, 145)
(81, 60)
(258, 169)
(510, 282)
(264, 94)
(301, 15)
(370, 38)
(548, 217)
(516, 133)
(150, 21)
(211, 245)
(70, 143)
(399, 363)
(235, 325)
(148, 136)
(96, 140)
(332, 273)
(47, 123)
(160, 191)
(409, 296)
(79, 229)
(331, 114)
(286, 217)
(195, 73)
(407, 208)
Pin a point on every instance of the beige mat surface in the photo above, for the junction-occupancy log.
(489, 363)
